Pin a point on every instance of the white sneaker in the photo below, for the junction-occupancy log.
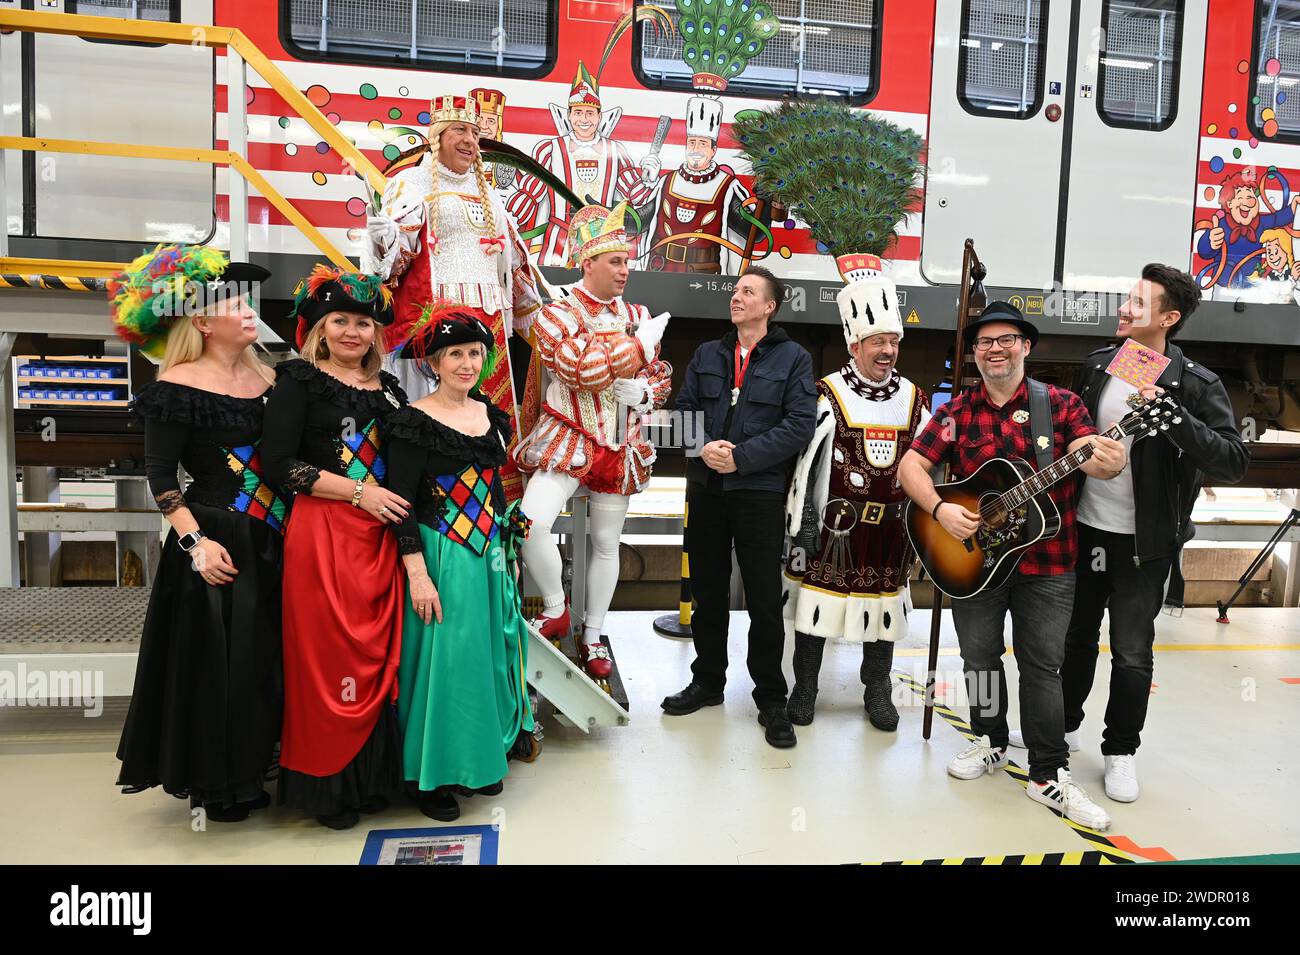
(1122, 778)
(1017, 739)
(981, 758)
(1069, 800)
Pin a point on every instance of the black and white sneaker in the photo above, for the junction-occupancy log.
(1069, 800)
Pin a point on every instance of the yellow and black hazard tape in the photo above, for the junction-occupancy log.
(62, 283)
(1089, 857)
(1112, 853)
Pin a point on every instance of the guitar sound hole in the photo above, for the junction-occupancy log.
(993, 515)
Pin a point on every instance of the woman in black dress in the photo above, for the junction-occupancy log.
(205, 712)
(343, 589)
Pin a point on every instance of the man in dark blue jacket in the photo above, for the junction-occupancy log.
(754, 391)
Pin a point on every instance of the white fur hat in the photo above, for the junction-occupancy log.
(869, 307)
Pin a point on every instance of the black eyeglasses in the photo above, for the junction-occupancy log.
(1004, 341)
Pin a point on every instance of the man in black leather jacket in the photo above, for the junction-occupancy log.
(1132, 530)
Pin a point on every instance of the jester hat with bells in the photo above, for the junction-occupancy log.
(594, 230)
(173, 282)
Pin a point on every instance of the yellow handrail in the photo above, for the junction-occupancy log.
(186, 154)
(111, 28)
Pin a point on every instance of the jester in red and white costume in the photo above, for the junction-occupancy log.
(697, 204)
(596, 371)
(443, 235)
(598, 169)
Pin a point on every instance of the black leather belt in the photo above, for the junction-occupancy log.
(870, 512)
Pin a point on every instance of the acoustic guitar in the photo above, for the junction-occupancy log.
(1016, 511)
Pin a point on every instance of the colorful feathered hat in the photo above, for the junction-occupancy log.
(171, 282)
(442, 324)
(331, 289)
(594, 229)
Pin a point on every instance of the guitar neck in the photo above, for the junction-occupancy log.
(1054, 472)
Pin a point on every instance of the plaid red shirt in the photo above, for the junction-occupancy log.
(983, 431)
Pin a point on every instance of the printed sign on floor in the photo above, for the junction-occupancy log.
(462, 845)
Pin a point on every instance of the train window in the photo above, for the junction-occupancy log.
(1000, 62)
(821, 48)
(502, 37)
(1137, 78)
(167, 11)
(1275, 114)
(164, 11)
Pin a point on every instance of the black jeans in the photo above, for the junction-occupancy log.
(1107, 576)
(1040, 611)
(755, 521)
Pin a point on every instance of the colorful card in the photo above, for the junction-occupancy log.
(1137, 364)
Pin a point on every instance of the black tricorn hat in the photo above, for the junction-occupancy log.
(441, 325)
(330, 289)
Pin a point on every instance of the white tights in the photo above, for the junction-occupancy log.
(544, 498)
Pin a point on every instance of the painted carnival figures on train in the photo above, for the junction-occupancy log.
(592, 164)
(443, 234)
(846, 575)
(463, 700)
(595, 372)
(694, 215)
(343, 594)
(205, 711)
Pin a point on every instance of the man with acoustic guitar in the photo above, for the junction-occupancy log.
(993, 420)
(1132, 531)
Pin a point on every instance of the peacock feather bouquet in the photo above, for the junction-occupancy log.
(721, 37)
(850, 176)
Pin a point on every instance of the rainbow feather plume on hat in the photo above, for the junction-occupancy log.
(150, 294)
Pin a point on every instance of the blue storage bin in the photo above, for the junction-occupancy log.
(25, 369)
(78, 372)
(106, 395)
(65, 394)
(24, 394)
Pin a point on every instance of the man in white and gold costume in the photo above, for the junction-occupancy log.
(846, 577)
(443, 235)
(596, 372)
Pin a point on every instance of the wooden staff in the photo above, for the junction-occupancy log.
(970, 305)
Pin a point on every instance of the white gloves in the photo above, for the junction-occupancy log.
(633, 392)
(650, 332)
(382, 231)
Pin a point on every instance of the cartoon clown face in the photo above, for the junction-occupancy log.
(700, 151)
(1243, 207)
(585, 120)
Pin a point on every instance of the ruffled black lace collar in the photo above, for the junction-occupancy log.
(374, 402)
(174, 403)
(414, 426)
(869, 389)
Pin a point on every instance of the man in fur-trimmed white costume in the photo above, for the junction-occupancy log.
(846, 576)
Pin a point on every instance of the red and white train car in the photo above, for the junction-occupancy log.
(1073, 142)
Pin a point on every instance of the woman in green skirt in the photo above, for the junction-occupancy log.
(463, 700)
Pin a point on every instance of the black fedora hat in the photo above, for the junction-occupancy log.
(1001, 312)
